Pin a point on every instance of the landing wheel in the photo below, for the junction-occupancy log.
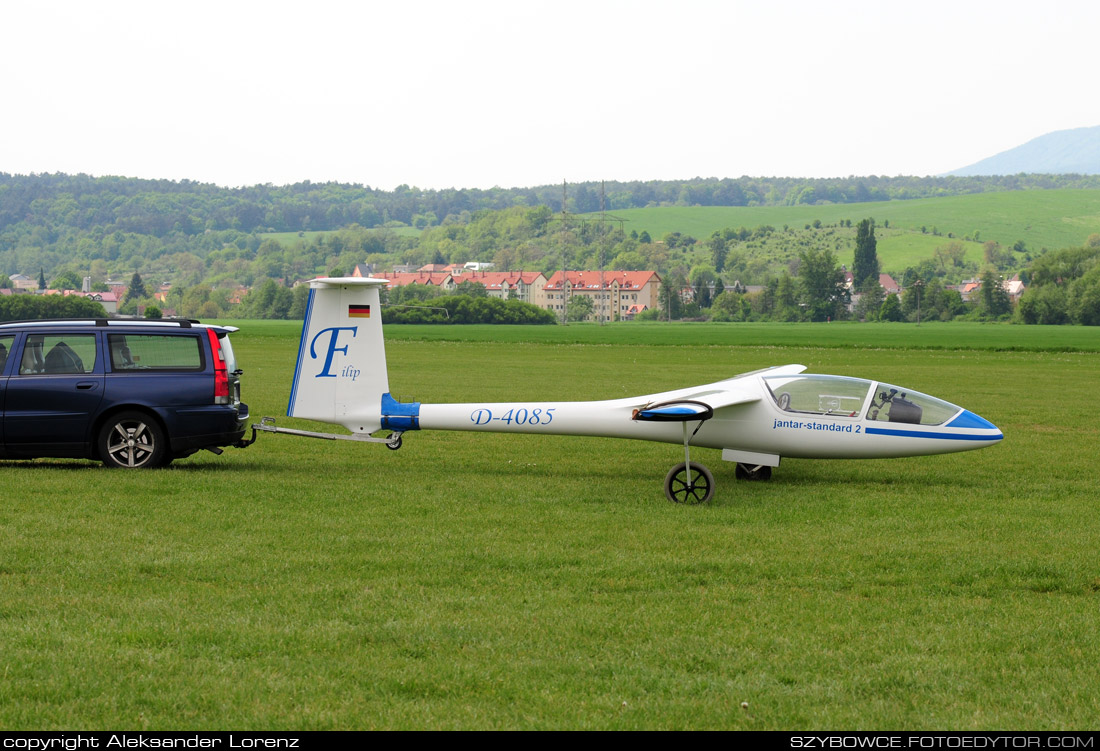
(753, 472)
(699, 488)
(394, 442)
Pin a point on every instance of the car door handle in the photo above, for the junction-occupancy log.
(86, 385)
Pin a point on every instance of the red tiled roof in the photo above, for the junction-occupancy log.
(498, 279)
(417, 277)
(591, 279)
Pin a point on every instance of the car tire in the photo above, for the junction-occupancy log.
(132, 440)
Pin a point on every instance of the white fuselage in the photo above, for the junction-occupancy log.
(758, 426)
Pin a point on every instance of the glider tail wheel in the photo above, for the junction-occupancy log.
(394, 442)
(690, 489)
(753, 472)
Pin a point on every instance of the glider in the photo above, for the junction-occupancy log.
(755, 418)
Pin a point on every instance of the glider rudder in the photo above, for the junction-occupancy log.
(341, 376)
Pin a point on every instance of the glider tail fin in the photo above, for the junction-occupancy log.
(341, 372)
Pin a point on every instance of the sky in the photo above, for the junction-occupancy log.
(517, 93)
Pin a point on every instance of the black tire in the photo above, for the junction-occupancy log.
(132, 440)
(700, 490)
(752, 472)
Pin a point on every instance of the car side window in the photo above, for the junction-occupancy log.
(144, 352)
(5, 349)
(58, 354)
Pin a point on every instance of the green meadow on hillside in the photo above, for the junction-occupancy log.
(543, 582)
(1041, 218)
(1050, 219)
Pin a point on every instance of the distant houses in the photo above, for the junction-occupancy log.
(614, 295)
(969, 290)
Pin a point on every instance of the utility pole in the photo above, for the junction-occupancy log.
(561, 252)
(918, 285)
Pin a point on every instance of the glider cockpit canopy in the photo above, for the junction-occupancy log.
(839, 396)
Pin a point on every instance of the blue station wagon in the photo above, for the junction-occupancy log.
(130, 393)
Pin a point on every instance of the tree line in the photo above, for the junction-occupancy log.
(160, 208)
(194, 235)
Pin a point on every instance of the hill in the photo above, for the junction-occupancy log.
(1074, 151)
(908, 230)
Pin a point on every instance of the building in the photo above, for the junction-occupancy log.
(443, 281)
(887, 283)
(24, 282)
(454, 269)
(614, 294)
(526, 286)
(108, 300)
(971, 289)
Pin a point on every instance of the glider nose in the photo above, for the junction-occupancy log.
(967, 420)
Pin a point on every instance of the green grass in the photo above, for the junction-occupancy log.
(509, 581)
(900, 249)
(955, 335)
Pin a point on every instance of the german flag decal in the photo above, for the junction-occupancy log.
(358, 311)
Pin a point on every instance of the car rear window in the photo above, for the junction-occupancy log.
(138, 352)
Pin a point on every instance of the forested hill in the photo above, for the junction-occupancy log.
(160, 208)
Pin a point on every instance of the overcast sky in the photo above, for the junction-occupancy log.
(478, 93)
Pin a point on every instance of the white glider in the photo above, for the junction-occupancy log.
(754, 418)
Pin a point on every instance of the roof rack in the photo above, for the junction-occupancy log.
(183, 323)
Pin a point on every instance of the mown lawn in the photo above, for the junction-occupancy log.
(509, 581)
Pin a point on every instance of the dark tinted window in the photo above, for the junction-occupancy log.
(140, 352)
(5, 350)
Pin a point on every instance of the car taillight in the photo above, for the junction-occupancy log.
(221, 376)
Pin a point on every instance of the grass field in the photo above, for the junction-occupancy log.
(509, 581)
(1041, 218)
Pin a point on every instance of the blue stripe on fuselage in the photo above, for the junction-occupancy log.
(942, 436)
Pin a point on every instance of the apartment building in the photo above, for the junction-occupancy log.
(615, 295)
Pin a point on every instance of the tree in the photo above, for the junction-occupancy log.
(702, 280)
(66, 280)
(41, 279)
(871, 298)
(719, 250)
(865, 265)
(891, 309)
(995, 299)
(1045, 304)
(1084, 299)
(822, 289)
(730, 306)
(471, 288)
(954, 252)
(137, 289)
(579, 308)
(784, 300)
(669, 296)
